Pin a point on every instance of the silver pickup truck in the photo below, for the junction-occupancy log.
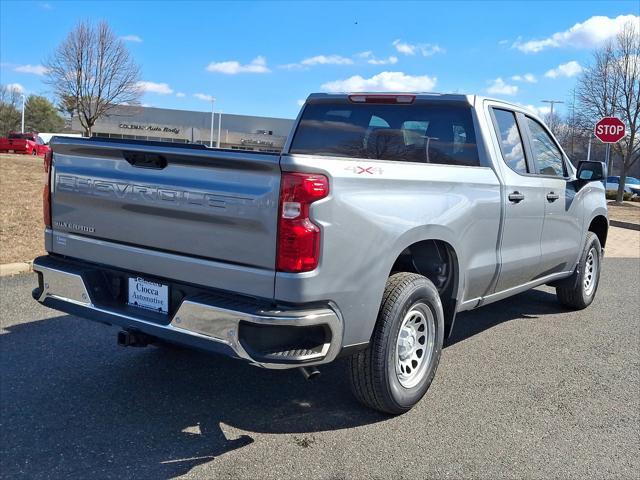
(384, 216)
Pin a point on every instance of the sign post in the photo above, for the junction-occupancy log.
(609, 130)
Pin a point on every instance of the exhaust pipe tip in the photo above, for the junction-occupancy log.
(309, 373)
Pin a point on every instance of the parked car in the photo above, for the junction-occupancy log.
(384, 217)
(25, 143)
(631, 184)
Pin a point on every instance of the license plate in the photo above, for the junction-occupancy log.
(11, 151)
(149, 295)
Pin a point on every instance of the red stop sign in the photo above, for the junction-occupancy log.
(609, 130)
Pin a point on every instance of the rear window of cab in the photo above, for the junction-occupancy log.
(422, 133)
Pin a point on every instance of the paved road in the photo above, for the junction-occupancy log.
(525, 389)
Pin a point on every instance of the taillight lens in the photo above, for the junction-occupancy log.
(46, 191)
(298, 236)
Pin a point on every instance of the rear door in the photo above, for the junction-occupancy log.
(523, 203)
(562, 230)
(193, 202)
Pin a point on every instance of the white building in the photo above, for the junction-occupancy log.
(242, 132)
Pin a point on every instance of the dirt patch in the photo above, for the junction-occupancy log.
(627, 212)
(21, 227)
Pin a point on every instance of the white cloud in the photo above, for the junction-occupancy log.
(499, 87)
(233, 67)
(568, 69)
(540, 111)
(153, 87)
(371, 58)
(35, 69)
(527, 77)
(16, 87)
(180, 95)
(319, 60)
(587, 34)
(204, 96)
(391, 60)
(45, 6)
(424, 49)
(327, 60)
(300, 102)
(382, 82)
(131, 38)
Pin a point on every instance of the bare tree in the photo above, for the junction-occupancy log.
(611, 87)
(92, 72)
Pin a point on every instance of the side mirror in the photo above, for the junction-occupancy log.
(591, 171)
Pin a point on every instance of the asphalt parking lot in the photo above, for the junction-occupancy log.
(525, 389)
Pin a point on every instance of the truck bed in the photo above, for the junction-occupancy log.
(167, 207)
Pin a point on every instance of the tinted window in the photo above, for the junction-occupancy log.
(545, 152)
(510, 140)
(23, 136)
(441, 134)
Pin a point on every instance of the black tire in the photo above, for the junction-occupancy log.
(573, 292)
(375, 380)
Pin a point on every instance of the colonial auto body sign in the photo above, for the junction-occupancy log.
(150, 128)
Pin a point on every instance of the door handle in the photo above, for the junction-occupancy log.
(516, 197)
(552, 197)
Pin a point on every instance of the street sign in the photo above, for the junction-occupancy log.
(609, 130)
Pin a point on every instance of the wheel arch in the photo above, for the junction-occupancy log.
(438, 259)
(600, 226)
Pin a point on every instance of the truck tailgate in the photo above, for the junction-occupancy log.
(180, 200)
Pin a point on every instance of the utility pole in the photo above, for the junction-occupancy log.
(23, 100)
(552, 102)
(213, 101)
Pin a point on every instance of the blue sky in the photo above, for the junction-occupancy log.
(262, 58)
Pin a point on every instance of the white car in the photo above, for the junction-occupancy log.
(631, 184)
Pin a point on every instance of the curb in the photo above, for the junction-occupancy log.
(9, 269)
(628, 225)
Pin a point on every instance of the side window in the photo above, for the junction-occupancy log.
(546, 153)
(510, 140)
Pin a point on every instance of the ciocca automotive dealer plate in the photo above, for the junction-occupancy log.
(150, 295)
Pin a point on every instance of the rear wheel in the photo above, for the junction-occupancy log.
(396, 369)
(579, 290)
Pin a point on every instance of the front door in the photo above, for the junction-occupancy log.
(562, 229)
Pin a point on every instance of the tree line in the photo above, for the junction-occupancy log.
(40, 115)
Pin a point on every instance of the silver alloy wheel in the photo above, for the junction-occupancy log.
(591, 272)
(414, 345)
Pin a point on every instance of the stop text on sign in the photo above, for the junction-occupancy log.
(609, 130)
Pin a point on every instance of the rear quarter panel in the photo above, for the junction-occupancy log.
(374, 211)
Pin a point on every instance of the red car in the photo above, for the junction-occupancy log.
(27, 143)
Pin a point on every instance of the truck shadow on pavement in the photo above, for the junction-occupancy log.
(75, 404)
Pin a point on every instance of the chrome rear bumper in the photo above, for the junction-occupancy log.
(65, 289)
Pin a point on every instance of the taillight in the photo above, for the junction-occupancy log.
(298, 236)
(46, 191)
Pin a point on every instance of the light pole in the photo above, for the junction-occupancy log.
(23, 100)
(213, 101)
(219, 127)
